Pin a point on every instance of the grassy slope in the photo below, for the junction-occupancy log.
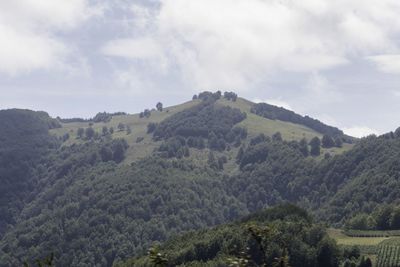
(346, 240)
(253, 123)
(256, 124)
(137, 124)
(369, 246)
(290, 131)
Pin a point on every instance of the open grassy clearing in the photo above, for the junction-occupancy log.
(383, 250)
(343, 239)
(394, 241)
(290, 131)
(138, 126)
(253, 123)
(256, 124)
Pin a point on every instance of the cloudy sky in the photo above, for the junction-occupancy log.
(338, 61)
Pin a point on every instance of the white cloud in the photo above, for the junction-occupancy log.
(237, 44)
(387, 63)
(27, 51)
(317, 92)
(142, 16)
(141, 48)
(28, 32)
(360, 131)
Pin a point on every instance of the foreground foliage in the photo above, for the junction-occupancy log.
(282, 236)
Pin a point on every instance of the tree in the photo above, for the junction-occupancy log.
(352, 253)
(121, 126)
(89, 132)
(395, 219)
(106, 153)
(186, 152)
(368, 263)
(328, 253)
(146, 113)
(151, 127)
(156, 258)
(221, 144)
(213, 141)
(361, 221)
(118, 147)
(365, 262)
(105, 130)
(315, 144)
(212, 162)
(159, 106)
(397, 133)
(338, 142)
(240, 154)
(383, 217)
(327, 141)
(230, 96)
(221, 161)
(80, 132)
(65, 137)
(304, 147)
(258, 139)
(277, 137)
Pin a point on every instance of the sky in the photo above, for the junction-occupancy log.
(337, 61)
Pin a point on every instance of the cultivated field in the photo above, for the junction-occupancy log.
(381, 247)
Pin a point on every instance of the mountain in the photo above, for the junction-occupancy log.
(102, 190)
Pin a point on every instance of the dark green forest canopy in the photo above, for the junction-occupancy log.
(201, 120)
(122, 209)
(24, 140)
(359, 180)
(101, 212)
(282, 234)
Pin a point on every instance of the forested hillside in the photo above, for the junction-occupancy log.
(281, 236)
(24, 141)
(102, 190)
(359, 180)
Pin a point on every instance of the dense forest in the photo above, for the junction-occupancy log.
(78, 195)
(24, 141)
(281, 236)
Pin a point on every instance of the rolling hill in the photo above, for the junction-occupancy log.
(254, 124)
(103, 190)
